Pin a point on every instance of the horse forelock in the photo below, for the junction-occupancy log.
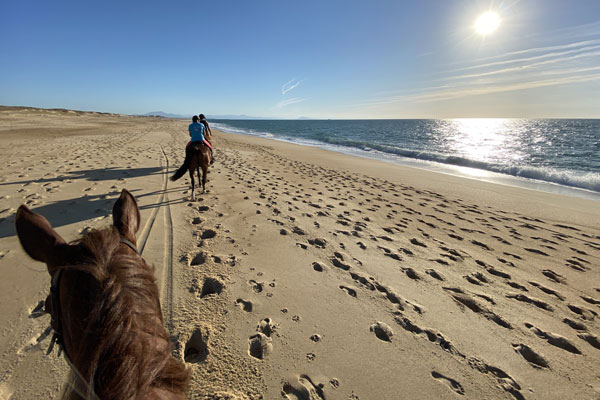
(125, 348)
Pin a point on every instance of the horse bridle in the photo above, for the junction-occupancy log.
(55, 322)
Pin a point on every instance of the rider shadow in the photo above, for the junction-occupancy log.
(65, 212)
(93, 175)
(69, 211)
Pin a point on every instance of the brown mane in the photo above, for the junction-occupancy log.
(124, 342)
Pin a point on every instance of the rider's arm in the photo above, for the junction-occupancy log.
(207, 131)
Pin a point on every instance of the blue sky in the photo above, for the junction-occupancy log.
(319, 59)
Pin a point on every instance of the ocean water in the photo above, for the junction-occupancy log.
(545, 154)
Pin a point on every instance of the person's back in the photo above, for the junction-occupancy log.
(196, 131)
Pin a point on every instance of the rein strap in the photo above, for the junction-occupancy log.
(130, 245)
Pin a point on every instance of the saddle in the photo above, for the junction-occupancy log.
(197, 146)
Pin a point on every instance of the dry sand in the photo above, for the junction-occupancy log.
(307, 274)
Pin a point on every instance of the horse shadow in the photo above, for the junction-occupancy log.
(69, 211)
(93, 175)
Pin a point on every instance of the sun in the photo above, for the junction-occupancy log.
(487, 23)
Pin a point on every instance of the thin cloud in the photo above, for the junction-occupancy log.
(447, 95)
(538, 50)
(526, 66)
(476, 88)
(540, 57)
(292, 84)
(425, 54)
(288, 102)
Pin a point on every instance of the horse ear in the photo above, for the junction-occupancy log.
(36, 235)
(126, 215)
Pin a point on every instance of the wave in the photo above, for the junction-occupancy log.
(572, 178)
(241, 131)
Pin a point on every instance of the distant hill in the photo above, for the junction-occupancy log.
(240, 116)
(164, 115)
(209, 116)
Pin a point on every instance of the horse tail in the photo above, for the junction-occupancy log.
(180, 172)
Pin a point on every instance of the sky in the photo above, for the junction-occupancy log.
(317, 59)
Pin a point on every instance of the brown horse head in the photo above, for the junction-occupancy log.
(105, 307)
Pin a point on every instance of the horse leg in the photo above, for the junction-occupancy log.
(192, 178)
(199, 177)
(204, 173)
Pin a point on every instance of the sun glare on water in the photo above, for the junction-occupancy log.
(487, 23)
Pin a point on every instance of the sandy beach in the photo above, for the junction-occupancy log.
(307, 274)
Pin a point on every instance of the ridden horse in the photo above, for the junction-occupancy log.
(200, 158)
(197, 155)
(105, 309)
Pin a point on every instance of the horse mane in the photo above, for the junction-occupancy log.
(125, 346)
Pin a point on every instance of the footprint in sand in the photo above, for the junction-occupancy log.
(583, 312)
(266, 327)
(208, 234)
(257, 287)
(417, 242)
(453, 384)
(411, 273)
(303, 389)
(382, 331)
(318, 267)
(196, 348)
(590, 300)
(349, 290)
(553, 276)
(259, 346)
(434, 274)
(554, 339)
(591, 339)
(210, 286)
(198, 259)
(535, 359)
(245, 305)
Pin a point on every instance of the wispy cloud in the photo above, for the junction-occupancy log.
(534, 58)
(489, 89)
(530, 68)
(292, 84)
(425, 54)
(287, 102)
(523, 66)
(477, 90)
(537, 50)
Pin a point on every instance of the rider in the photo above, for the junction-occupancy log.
(196, 131)
(206, 126)
(207, 135)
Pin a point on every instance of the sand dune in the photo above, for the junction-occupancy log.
(306, 274)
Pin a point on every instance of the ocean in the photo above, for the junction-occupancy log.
(554, 155)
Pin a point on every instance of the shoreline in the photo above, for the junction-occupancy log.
(434, 166)
(493, 193)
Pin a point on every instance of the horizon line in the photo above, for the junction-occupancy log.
(249, 117)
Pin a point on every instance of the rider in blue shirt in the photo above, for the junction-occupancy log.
(196, 131)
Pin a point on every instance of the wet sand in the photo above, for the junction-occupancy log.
(307, 274)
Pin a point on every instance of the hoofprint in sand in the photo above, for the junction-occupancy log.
(307, 274)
